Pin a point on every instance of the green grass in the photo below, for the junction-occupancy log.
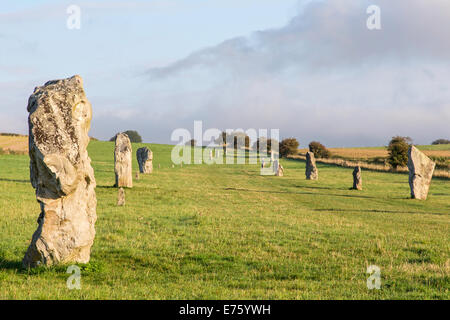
(225, 232)
(438, 147)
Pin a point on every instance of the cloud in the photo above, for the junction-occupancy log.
(323, 76)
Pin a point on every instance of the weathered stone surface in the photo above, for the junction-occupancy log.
(122, 161)
(145, 160)
(357, 179)
(421, 170)
(311, 169)
(60, 171)
(121, 197)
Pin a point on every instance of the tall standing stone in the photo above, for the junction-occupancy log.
(357, 179)
(421, 170)
(311, 169)
(60, 171)
(145, 160)
(122, 161)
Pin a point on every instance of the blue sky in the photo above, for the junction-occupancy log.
(308, 68)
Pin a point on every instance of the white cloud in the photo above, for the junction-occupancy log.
(323, 76)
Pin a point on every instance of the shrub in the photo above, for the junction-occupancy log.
(11, 134)
(288, 146)
(398, 152)
(440, 141)
(319, 150)
(236, 139)
(132, 134)
(191, 143)
(266, 145)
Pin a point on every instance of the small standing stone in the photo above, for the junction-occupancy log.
(145, 160)
(357, 179)
(122, 161)
(121, 197)
(311, 169)
(279, 170)
(421, 170)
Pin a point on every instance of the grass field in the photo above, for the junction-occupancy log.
(225, 232)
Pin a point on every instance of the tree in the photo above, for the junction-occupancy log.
(264, 144)
(132, 134)
(237, 140)
(440, 141)
(319, 150)
(238, 143)
(288, 146)
(191, 143)
(398, 152)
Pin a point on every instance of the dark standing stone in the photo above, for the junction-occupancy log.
(357, 180)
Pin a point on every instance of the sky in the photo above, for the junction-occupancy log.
(311, 69)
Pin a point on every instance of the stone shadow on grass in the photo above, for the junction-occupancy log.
(11, 265)
(14, 180)
(297, 192)
(376, 211)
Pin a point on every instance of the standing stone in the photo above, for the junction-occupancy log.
(121, 197)
(60, 171)
(210, 155)
(421, 170)
(279, 170)
(311, 169)
(145, 160)
(122, 161)
(357, 180)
